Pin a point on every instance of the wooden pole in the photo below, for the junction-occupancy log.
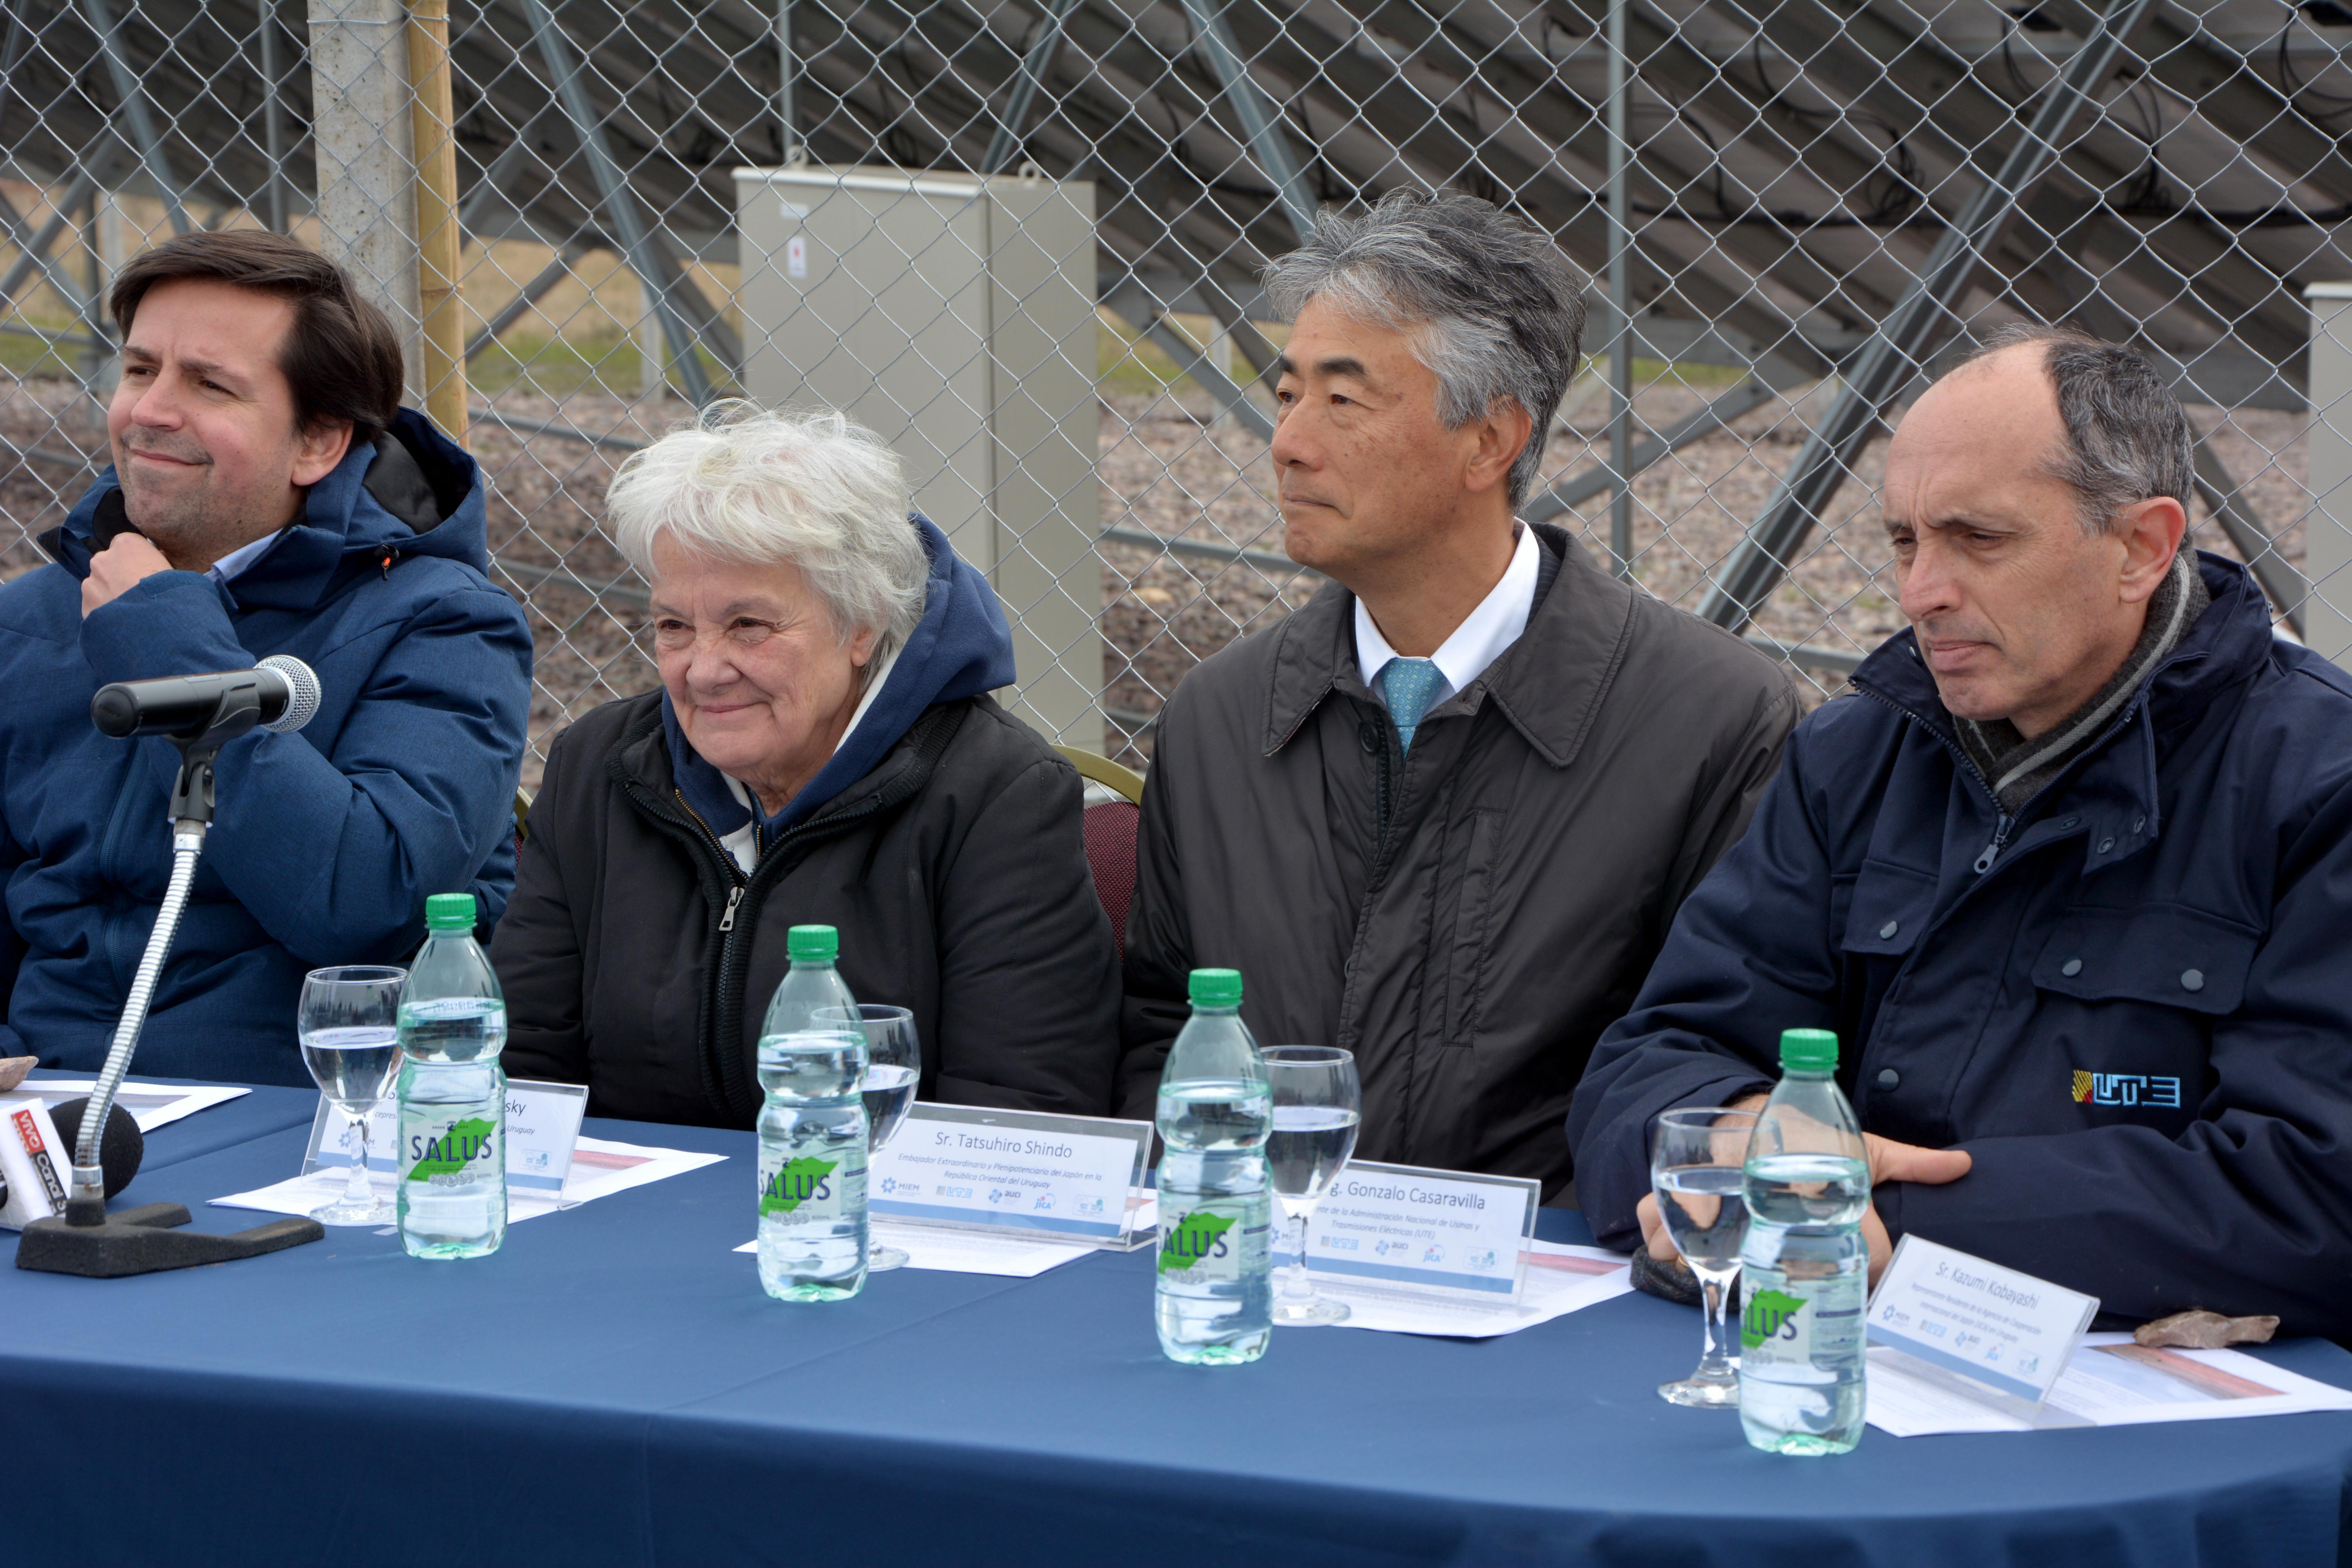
(431, 110)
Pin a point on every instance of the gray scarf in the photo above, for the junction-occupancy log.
(2015, 769)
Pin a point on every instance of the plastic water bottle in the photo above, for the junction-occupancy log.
(1216, 1279)
(452, 1093)
(812, 1133)
(1804, 1270)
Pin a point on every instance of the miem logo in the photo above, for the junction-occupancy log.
(797, 1181)
(1194, 1241)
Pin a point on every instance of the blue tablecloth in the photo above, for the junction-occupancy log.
(613, 1387)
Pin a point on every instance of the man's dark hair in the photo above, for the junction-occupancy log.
(341, 356)
(1495, 308)
(2127, 437)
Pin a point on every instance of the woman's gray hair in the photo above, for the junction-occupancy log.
(1492, 307)
(757, 488)
(2127, 437)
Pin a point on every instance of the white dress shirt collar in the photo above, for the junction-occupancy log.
(1497, 622)
(243, 556)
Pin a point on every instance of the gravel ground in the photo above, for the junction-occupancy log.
(1168, 468)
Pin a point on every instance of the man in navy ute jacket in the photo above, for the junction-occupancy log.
(2069, 875)
(268, 495)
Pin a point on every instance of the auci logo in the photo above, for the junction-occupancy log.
(464, 1143)
(797, 1181)
(1194, 1241)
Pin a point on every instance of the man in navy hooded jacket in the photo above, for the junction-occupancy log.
(2070, 876)
(268, 496)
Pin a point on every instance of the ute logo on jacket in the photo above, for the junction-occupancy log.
(2126, 1088)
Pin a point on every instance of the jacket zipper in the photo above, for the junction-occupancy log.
(726, 1000)
(2000, 837)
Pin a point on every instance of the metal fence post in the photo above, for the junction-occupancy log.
(366, 151)
(2328, 527)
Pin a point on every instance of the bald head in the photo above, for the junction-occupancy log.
(2021, 610)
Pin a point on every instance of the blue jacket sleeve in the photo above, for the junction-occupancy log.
(335, 852)
(2247, 1212)
(1751, 953)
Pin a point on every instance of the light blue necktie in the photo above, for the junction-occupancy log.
(1409, 685)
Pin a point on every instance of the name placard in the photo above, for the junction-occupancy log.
(543, 1125)
(1446, 1230)
(1011, 1171)
(2005, 1331)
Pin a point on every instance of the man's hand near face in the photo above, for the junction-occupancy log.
(1889, 1161)
(115, 569)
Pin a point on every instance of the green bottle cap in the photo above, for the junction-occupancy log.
(1807, 1050)
(813, 944)
(449, 912)
(1216, 988)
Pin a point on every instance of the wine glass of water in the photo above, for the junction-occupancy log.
(1317, 1106)
(894, 1065)
(348, 1023)
(1697, 1165)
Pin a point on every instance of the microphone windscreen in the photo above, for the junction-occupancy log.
(302, 692)
(119, 1151)
(115, 711)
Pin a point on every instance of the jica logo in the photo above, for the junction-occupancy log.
(447, 1153)
(1198, 1238)
(797, 1181)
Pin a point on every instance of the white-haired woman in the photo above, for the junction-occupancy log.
(823, 751)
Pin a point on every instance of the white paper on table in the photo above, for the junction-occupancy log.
(1559, 1279)
(971, 1251)
(2110, 1382)
(598, 1169)
(151, 1105)
(1013, 1255)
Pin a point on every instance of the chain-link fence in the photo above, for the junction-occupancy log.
(1020, 238)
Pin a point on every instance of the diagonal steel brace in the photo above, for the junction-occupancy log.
(1926, 314)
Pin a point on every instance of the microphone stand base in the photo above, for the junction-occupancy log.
(143, 1240)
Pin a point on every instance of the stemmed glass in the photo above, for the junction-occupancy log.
(894, 1065)
(1696, 1161)
(1317, 1106)
(349, 1023)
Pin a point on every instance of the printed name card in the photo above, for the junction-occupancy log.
(1011, 1171)
(1447, 1230)
(2006, 1333)
(543, 1125)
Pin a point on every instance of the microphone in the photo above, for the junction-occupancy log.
(185, 705)
(121, 1147)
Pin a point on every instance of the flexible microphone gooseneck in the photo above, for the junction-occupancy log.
(201, 713)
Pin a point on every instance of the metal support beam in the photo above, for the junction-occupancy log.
(489, 187)
(1036, 66)
(273, 113)
(31, 247)
(1694, 426)
(131, 99)
(514, 309)
(788, 135)
(1268, 144)
(1926, 314)
(34, 254)
(2286, 588)
(620, 203)
(1620, 300)
(1131, 300)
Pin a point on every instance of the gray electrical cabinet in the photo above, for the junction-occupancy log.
(954, 316)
